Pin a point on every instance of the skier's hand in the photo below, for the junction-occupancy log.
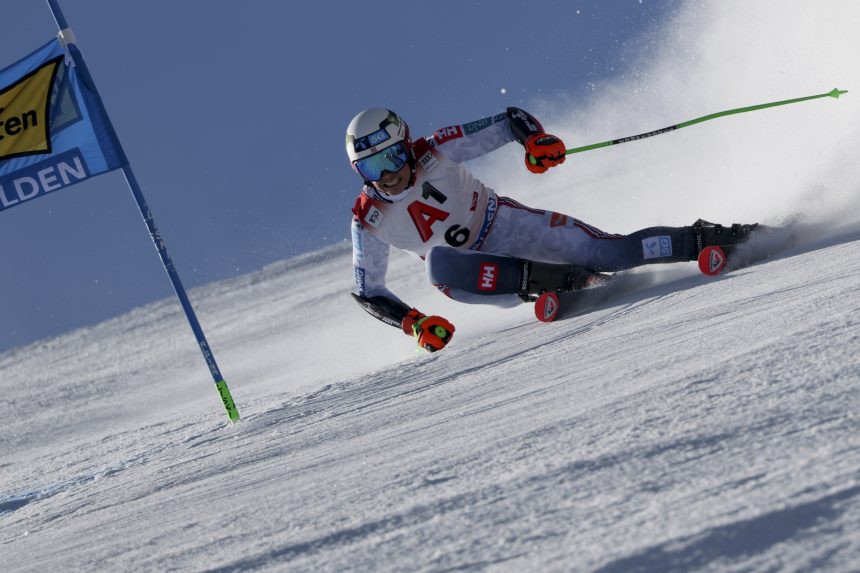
(544, 151)
(431, 332)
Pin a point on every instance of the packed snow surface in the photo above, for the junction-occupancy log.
(692, 424)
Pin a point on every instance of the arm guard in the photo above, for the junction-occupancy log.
(523, 124)
(383, 308)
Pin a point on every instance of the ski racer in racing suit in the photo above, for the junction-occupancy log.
(418, 196)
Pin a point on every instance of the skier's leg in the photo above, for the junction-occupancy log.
(485, 278)
(666, 245)
(529, 251)
(537, 235)
(548, 237)
(475, 278)
(646, 246)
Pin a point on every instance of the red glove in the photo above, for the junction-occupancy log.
(544, 151)
(432, 332)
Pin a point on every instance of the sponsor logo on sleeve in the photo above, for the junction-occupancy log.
(360, 280)
(374, 217)
(428, 161)
(657, 247)
(488, 277)
(476, 126)
(447, 134)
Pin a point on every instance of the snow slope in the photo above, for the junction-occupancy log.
(696, 424)
(692, 425)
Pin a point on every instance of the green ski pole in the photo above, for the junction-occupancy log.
(835, 93)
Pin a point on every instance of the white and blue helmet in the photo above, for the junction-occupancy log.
(377, 140)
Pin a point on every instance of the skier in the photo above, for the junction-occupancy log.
(480, 247)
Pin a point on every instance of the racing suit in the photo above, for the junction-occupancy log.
(446, 207)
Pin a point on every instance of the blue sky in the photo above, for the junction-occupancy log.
(233, 117)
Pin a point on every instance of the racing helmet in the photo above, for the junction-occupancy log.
(377, 140)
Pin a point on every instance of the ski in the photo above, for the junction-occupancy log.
(553, 305)
(712, 261)
(764, 244)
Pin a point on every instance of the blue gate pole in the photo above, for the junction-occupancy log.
(131, 180)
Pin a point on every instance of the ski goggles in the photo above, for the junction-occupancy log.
(389, 159)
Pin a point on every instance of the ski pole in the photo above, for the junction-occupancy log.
(835, 93)
(149, 221)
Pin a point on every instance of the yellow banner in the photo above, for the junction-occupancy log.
(24, 113)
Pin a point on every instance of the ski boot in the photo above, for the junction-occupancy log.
(718, 247)
(539, 278)
(544, 283)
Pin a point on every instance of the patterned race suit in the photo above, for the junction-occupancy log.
(447, 206)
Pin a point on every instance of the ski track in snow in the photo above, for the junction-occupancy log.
(693, 425)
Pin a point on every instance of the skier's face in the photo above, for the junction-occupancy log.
(394, 183)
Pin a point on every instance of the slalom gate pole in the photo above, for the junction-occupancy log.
(835, 93)
(71, 45)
